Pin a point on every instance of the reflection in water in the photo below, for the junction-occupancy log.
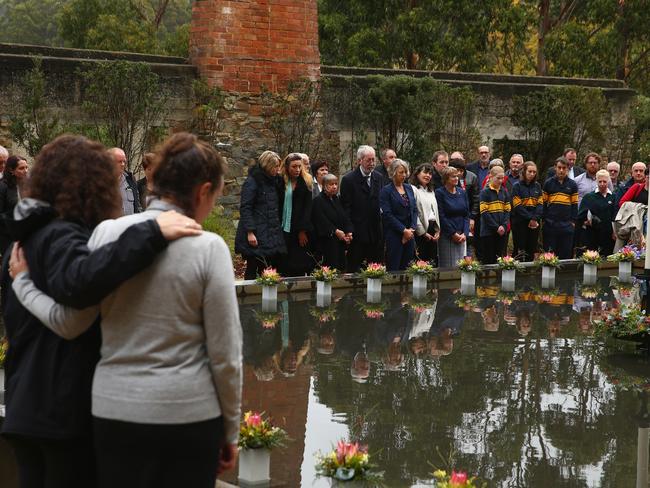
(512, 385)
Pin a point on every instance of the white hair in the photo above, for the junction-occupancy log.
(3, 152)
(363, 150)
(496, 162)
(396, 164)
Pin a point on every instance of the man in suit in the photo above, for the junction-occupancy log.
(360, 199)
(387, 158)
(570, 155)
(480, 167)
(128, 186)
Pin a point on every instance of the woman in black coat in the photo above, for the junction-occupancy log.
(11, 188)
(259, 236)
(296, 217)
(332, 227)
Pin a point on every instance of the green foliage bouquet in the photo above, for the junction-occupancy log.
(420, 267)
(347, 462)
(374, 270)
(548, 259)
(325, 274)
(591, 257)
(626, 254)
(4, 345)
(468, 264)
(255, 432)
(269, 277)
(508, 262)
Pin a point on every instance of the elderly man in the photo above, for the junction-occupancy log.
(515, 164)
(387, 158)
(360, 199)
(4, 155)
(587, 181)
(638, 176)
(128, 186)
(614, 170)
(570, 155)
(480, 167)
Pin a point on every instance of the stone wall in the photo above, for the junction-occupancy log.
(242, 130)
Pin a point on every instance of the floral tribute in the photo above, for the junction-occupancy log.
(269, 277)
(323, 315)
(374, 270)
(268, 319)
(420, 267)
(457, 479)
(591, 257)
(627, 254)
(548, 259)
(256, 432)
(507, 263)
(326, 274)
(347, 462)
(468, 264)
(624, 322)
(372, 310)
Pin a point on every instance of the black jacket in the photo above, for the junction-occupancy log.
(260, 212)
(381, 170)
(48, 379)
(301, 202)
(130, 181)
(361, 204)
(142, 192)
(8, 200)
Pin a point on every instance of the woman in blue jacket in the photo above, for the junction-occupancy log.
(399, 215)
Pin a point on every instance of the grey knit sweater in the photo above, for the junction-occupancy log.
(171, 349)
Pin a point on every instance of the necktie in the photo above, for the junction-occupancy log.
(368, 180)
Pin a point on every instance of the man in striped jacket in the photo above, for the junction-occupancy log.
(560, 195)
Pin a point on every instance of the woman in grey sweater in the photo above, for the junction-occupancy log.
(167, 390)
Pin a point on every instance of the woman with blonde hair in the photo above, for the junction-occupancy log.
(296, 216)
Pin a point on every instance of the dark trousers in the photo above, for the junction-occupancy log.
(478, 243)
(332, 252)
(54, 463)
(427, 250)
(255, 265)
(597, 239)
(558, 240)
(131, 455)
(492, 246)
(364, 252)
(398, 255)
(524, 240)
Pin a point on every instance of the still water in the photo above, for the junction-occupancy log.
(512, 388)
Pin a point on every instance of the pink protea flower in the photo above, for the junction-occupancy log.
(345, 450)
(254, 420)
(269, 272)
(421, 263)
(458, 478)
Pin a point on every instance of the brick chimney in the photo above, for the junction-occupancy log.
(243, 45)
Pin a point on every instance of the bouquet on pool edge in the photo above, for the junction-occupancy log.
(347, 462)
(269, 277)
(256, 432)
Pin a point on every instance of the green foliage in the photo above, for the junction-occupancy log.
(125, 102)
(294, 118)
(208, 102)
(30, 21)
(641, 116)
(559, 117)
(222, 225)
(415, 116)
(34, 121)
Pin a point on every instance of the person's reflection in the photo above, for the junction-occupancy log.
(441, 344)
(260, 343)
(392, 331)
(490, 316)
(360, 368)
(326, 339)
(295, 338)
(421, 316)
(447, 323)
(555, 306)
(523, 308)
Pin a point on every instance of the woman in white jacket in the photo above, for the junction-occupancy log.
(428, 228)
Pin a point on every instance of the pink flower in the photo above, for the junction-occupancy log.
(254, 420)
(325, 269)
(345, 450)
(458, 478)
(421, 263)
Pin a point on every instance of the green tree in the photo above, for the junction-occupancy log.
(30, 21)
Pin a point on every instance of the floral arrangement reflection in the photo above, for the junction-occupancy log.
(457, 479)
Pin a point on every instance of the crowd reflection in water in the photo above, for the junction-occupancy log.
(277, 344)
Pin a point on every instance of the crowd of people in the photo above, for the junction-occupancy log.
(295, 214)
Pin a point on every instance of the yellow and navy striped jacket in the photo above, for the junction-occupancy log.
(495, 210)
(527, 201)
(560, 201)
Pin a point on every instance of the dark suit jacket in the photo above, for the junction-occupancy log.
(327, 215)
(130, 181)
(142, 192)
(396, 214)
(381, 169)
(361, 204)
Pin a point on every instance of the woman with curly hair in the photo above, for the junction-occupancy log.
(166, 392)
(72, 189)
(12, 188)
